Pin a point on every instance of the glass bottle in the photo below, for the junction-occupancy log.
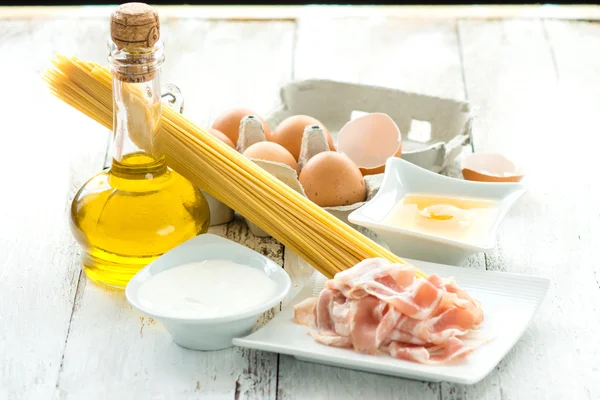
(136, 210)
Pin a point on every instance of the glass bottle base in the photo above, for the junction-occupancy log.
(111, 270)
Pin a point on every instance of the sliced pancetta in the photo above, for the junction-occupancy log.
(380, 306)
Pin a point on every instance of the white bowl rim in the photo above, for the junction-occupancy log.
(144, 274)
(358, 218)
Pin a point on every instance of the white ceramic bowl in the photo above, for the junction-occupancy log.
(402, 177)
(210, 333)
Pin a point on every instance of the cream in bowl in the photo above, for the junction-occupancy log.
(208, 291)
(431, 217)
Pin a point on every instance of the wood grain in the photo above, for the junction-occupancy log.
(49, 150)
(538, 95)
(223, 66)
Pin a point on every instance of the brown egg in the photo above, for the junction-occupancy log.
(289, 133)
(269, 151)
(229, 123)
(331, 179)
(221, 136)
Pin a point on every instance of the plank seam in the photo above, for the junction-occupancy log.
(551, 48)
(294, 47)
(277, 375)
(76, 298)
(463, 75)
(79, 288)
(461, 58)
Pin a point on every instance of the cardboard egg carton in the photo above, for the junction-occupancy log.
(434, 130)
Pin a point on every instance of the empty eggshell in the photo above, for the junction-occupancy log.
(331, 179)
(369, 141)
(490, 167)
(221, 136)
(270, 151)
(251, 131)
(229, 123)
(314, 142)
(289, 133)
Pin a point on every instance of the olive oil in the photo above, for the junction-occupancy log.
(138, 209)
(130, 214)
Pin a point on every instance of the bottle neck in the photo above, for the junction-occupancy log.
(136, 111)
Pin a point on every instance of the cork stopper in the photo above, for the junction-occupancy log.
(134, 25)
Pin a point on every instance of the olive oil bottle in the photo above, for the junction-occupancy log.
(138, 209)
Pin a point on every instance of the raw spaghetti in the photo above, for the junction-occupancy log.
(324, 241)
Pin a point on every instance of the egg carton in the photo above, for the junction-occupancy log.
(434, 130)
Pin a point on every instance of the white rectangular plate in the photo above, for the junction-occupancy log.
(509, 302)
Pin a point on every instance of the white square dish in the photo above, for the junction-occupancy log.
(509, 302)
(401, 178)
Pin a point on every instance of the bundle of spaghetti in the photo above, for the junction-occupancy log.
(324, 241)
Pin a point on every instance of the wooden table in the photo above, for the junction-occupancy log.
(536, 86)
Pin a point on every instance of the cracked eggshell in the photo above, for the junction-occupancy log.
(285, 174)
(369, 141)
(490, 167)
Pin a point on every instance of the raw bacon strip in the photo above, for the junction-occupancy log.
(403, 337)
(342, 315)
(331, 339)
(453, 350)
(387, 323)
(304, 312)
(363, 331)
(379, 306)
(323, 309)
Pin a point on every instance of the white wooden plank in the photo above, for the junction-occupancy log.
(411, 55)
(537, 114)
(48, 151)
(225, 65)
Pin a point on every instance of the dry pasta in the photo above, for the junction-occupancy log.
(324, 241)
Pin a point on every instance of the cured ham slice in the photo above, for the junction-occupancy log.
(379, 306)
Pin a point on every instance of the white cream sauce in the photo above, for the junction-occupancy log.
(206, 289)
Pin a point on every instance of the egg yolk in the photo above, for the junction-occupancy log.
(444, 212)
